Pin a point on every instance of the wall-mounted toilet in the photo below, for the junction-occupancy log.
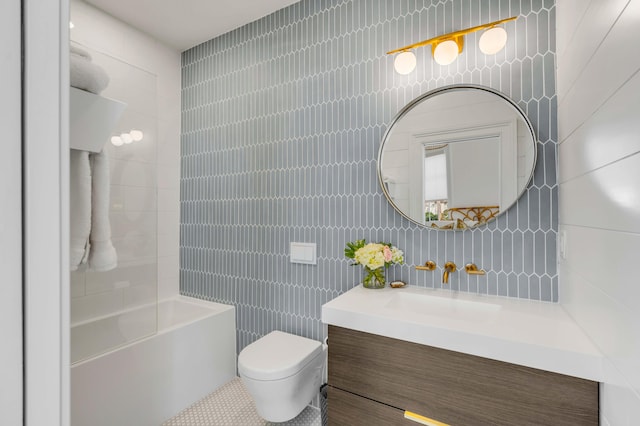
(282, 373)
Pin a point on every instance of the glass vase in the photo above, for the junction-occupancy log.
(374, 278)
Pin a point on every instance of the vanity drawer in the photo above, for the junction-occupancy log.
(346, 408)
(456, 388)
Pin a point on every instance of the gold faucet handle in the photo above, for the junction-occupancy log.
(450, 266)
(472, 269)
(429, 265)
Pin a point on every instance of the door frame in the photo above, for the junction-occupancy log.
(46, 211)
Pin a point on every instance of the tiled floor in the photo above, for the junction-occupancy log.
(231, 405)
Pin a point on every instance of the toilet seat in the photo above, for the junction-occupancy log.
(277, 356)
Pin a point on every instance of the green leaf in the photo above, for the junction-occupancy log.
(350, 250)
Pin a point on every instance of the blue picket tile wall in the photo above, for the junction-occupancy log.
(281, 124)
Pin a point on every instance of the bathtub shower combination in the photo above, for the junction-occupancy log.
(150, 380)
(135, 360)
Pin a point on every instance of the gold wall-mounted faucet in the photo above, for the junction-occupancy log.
(448, 267)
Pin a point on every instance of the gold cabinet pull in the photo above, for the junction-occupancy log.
(472, 269)
(422, 419)
(429, 265)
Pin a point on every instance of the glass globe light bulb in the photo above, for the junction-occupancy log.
(116, 141)
(126, 138)
(404, 63)
(136, 135)
(493, 40)
(446, 52)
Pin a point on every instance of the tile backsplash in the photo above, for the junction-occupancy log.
(281, 124)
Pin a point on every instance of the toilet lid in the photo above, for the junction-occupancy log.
(276, 356)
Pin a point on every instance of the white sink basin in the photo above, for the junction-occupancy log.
(442, 306)
(523, 332)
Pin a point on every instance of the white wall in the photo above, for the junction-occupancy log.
(598, 59)
(103, 33)
(10, 218)
(45, 153)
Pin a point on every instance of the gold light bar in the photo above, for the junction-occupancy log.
(456, 36)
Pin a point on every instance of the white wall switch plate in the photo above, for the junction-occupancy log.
(303, 253)
(562, 245)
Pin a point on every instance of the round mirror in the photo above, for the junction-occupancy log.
(457, 157)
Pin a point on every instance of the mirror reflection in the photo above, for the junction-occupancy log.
(457, 157)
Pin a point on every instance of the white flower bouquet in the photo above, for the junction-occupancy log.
(375, 257)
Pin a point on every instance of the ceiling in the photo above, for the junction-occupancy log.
(183, 24)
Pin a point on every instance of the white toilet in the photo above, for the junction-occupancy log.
(282, 372)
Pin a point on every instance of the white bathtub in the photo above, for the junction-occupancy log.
(150, 380)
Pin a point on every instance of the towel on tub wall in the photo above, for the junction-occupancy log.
(80, 206)
(102, 254)
(83, 73)
(90, 238)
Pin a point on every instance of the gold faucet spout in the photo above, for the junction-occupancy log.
(448, 267)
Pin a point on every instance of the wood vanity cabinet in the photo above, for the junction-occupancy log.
(374, 379)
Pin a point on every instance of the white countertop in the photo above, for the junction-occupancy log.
(529, 333)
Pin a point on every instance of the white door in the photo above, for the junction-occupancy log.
(10, 215)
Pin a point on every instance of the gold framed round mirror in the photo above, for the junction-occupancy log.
(457, 157)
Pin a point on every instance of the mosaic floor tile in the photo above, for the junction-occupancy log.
(231, 405)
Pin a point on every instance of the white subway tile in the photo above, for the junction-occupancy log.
(132, 223)
(125, 275)
(168, 277)
(169, 148)
(140, 294)
(168, 199)
(77, 286)
(97, 305)
(136, 246)
(132, 173)
(168, 244)
(140, 199)
(168, 175)
(116, 197)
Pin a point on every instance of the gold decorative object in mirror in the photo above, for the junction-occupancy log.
(457, 157)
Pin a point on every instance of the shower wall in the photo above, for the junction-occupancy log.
(146, 185)
(132, 206)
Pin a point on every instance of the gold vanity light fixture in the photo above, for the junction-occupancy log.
(446, 48)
